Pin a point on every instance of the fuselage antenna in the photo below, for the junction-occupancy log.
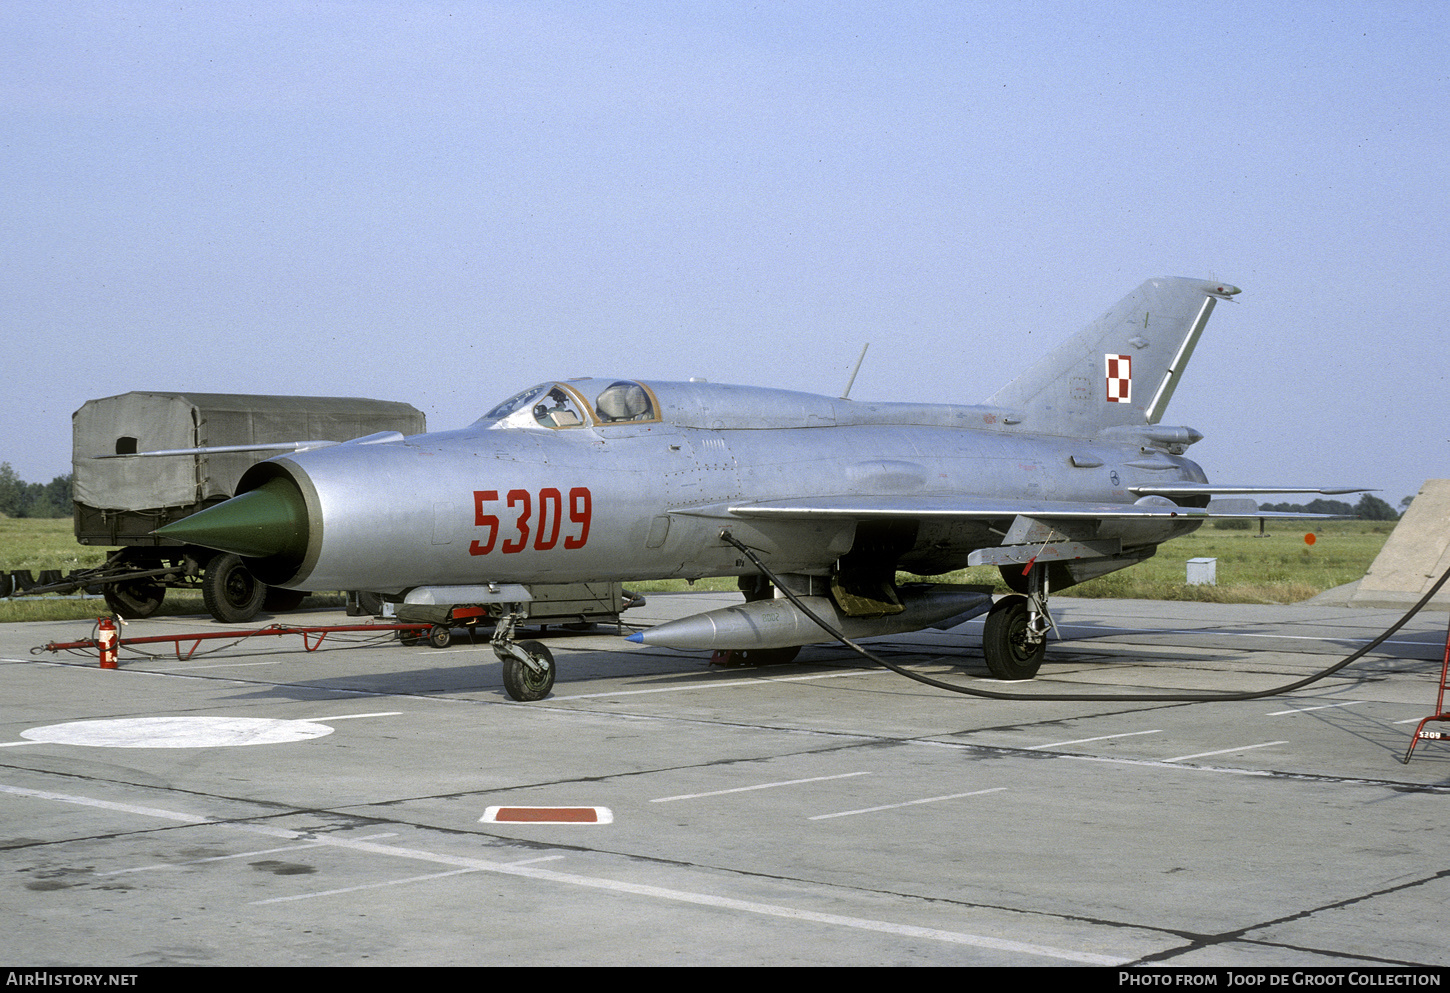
(852, 381)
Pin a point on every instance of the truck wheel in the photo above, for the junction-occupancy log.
(230, 592)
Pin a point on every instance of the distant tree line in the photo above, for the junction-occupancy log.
(1369, 508)
(21, 499)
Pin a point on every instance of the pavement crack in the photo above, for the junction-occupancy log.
(1200, 942)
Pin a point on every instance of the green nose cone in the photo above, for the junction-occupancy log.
(267, 522)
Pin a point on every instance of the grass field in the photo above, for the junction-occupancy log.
(37, 544)
(1279, 568)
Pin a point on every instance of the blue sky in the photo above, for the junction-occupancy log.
(443, 202)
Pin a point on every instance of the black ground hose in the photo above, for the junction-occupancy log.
(1183, 697)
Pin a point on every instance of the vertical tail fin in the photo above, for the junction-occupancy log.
(1123, 368)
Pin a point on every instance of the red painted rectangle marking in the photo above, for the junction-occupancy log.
(548, 815)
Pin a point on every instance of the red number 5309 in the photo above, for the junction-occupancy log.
(546, 527)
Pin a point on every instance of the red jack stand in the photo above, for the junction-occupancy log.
(1439, 715)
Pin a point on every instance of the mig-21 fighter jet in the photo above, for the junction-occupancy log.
(1064, 474)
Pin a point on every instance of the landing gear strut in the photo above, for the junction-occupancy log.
(1014, 637)
(528, 667)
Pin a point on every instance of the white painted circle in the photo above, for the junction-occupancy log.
(177, 732)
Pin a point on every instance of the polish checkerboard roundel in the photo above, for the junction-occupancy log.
(1120, 378)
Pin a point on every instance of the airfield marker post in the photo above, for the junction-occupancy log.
(1439, 715)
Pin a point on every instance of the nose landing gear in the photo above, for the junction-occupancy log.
(528, 667)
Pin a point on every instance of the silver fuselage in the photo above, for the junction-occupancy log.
(509, 500)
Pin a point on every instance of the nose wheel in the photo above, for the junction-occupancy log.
(528, 667)
(531, 679)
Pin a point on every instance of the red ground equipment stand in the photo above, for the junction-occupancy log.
(1439, 715)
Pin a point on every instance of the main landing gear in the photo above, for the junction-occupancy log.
(1014, 637)
(730, 658)
(528, 667)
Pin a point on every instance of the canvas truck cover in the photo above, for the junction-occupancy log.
(147, 421)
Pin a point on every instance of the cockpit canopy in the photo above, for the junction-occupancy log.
(562, 405)
(624, 404)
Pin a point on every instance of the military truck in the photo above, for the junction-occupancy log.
(120, 501)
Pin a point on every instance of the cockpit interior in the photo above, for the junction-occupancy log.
(562, 405)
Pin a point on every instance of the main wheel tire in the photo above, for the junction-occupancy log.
(733, 657)
(523, 683)
(231, 593)
(1010, 654)
(134, 598)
